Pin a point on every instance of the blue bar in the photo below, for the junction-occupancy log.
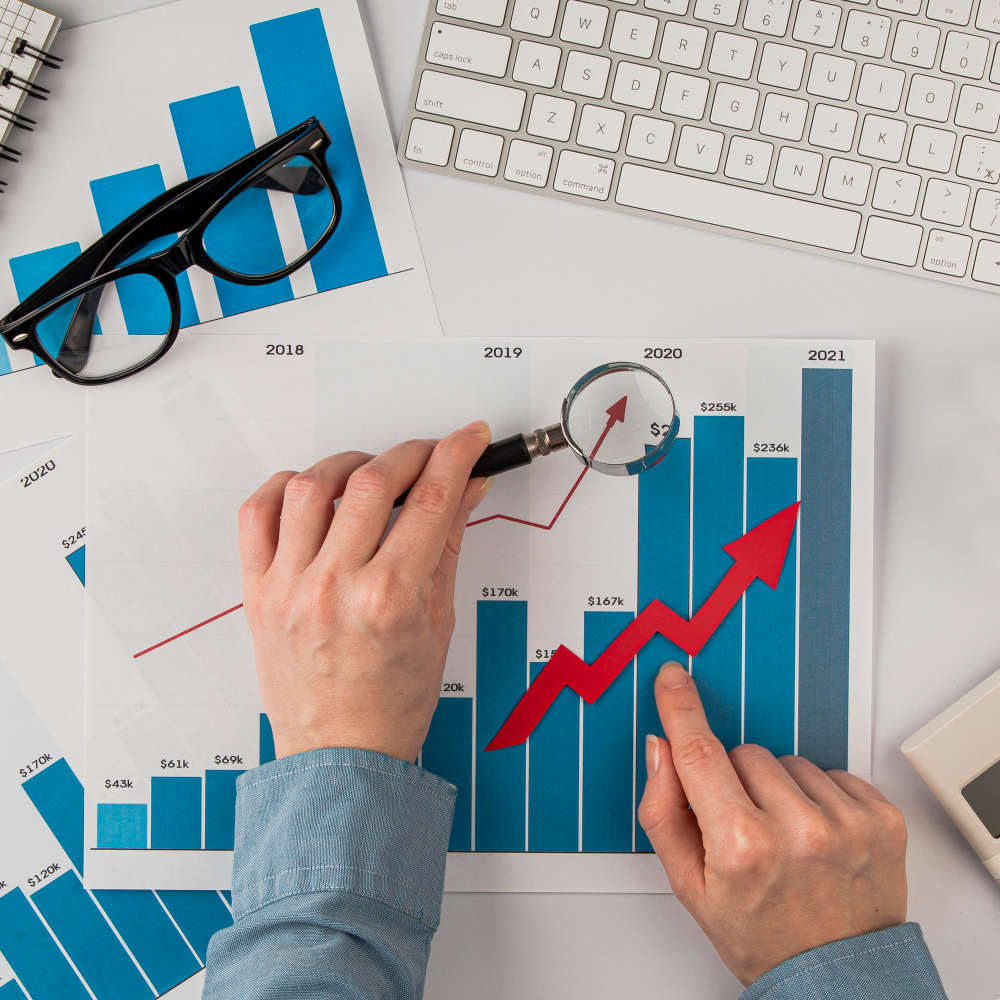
(448, 753)
(5, 366)
(212, 131)
(227, 896)
(220, 809)
(11, 991)
(718, 520)
(266, 740)
(89, 941)
(57, 794)
(769, 668)
(115, 199)
(825, 551)
(607, 744)
(501, 679)
(175, 814)
(150, 935)
(554, 775)
(664, 575)
(33, 955)
(301, 81)
(77, 560)
(31, 272)
(122, 826)
(199, 914)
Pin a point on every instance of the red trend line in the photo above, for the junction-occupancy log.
(207, 621)
(759, 554)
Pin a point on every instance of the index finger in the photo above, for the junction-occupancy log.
(710, 782)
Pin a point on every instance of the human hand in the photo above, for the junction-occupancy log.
(351, 635)
(773, 857)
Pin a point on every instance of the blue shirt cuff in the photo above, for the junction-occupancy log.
(346, 820)
(891, 964)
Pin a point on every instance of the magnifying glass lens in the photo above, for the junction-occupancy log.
(620, 418)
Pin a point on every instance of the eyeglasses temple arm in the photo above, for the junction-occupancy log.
(75, 347)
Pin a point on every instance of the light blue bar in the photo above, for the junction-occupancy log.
(115, 199)
(501, 680)
(825, 551)
(301, 82)
(266, 740)
(212, 131)
(769, 699)
(77, 560)
(448, 753)
(150, 935)
(33, 955)
(5, 366)
(664, 575)
(607, 744)
(57, 794)
(122, 826)
(718, 520)
(199, 914)
(89, 941)
(554, 775)
(220, 809)
(175, 814)
(11, 991)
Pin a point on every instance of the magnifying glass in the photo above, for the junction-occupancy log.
(619, 419)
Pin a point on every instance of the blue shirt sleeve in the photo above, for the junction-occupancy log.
(338, 876)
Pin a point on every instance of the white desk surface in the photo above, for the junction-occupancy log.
(555, 268)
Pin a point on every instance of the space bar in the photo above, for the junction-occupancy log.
(737, 208)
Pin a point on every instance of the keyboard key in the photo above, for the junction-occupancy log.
(758, 212)
(584, 23)
(952, 11)
(893, 242)
(900, 6)
(986, 212)
(748, 159)
(882, 138)
(931, 148)
(769, 17)
(988, 18)
(717, 11)
(484, 11)
(471, 100)
(697, 149)
(817, 23)
(979, 160)
(467, 48)
(683, 44)
(551, 117)
(995, 68)
(798, 170)
(781, 66)
(866, 33)
(536, 64)
(947, 253)
(684, 95)
(634, 34)
(783, 117)
(430, 142)
(650, 138)
(636, 85)
(732, 55)
(601, 128)
(833, 127)
(880, 87)
(678, 7)
(965, 55)
(479, 153)
(847, 181)
(584, 176)
(831, 76)
(987, 266)
(945, 201)
(915, 44)
(586, 74)
(978, 108)
(528, 163)
(734, 106)
(929, 97)
(896, 191)
(535, 17)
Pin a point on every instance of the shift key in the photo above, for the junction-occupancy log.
(471, 100)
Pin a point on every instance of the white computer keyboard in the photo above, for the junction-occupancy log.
(856, 130)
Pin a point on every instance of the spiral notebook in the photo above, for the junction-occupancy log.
(26, 33)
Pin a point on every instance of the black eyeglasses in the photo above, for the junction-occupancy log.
(59, 322)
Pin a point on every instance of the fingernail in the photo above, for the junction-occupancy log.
(477, 427)
(652, 755)
(672, 675)
(481, 495)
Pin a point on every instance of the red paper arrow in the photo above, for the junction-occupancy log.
(759, 554)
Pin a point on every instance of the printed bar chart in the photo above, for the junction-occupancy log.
(448, 751)
(77, 560)
(57, 794)
(123, 826)
(175, 814)
(266, 740)
(220, 809)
